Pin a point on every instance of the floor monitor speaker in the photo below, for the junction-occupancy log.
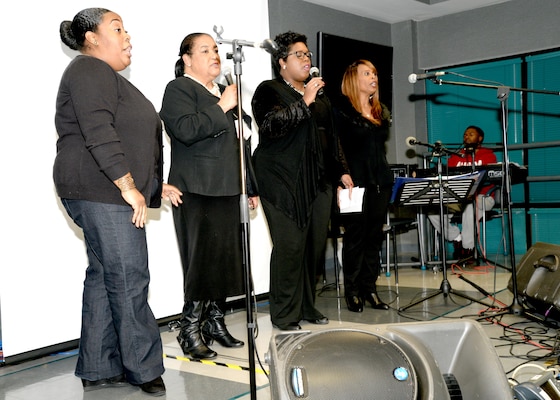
(417, 360)
(538, 279)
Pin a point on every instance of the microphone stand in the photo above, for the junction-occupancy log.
(516, 307)
(237, 57)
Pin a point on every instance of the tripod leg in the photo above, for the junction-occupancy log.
(438, 292)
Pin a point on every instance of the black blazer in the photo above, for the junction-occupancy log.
(204, 144)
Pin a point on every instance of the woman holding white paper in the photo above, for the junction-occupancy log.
(363, 124)
(296, 164)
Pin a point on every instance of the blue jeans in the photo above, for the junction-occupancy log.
(119, 331)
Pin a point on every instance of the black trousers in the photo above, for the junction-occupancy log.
(362, 241)
(296, 255)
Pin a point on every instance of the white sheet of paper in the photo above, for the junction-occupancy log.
(354, 204)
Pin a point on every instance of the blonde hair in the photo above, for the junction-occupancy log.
(351, 90)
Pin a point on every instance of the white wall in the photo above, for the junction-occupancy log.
(42, 257)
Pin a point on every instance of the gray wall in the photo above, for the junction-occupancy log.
(515, 27)
(306, 18)
(503, 30)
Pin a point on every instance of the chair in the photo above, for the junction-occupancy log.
(395, 226)
(334, 233)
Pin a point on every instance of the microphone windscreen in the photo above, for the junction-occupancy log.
(269, 45)
(314, 71)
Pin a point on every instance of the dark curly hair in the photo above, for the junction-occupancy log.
(284, 42)
(73, 33)
(477, 129)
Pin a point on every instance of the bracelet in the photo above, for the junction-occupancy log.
(125, 183)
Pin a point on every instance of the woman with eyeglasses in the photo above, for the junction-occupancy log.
(297, 162)
(363, 123)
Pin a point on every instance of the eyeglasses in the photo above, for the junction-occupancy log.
(300, 54)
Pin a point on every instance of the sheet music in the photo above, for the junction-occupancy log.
(350, 205)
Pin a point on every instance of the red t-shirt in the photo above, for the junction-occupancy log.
(482, 156)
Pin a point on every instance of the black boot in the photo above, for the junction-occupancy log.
(190, 338)
(375, 301)
(214, 328)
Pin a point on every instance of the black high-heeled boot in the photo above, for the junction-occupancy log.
(214, 328)
(375, 301)
(190, 337)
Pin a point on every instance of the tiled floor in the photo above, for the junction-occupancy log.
(514, 340)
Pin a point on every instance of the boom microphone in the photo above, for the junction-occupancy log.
(314, 73)
(268, 45)
(412, 78)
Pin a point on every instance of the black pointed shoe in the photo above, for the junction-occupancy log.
(318, 321)
(375, 301)
(155, 387)
(115, 381)
(354, 304)
(290, 326)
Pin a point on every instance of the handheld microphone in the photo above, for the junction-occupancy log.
(227, 75)
(314, 73)
(413, 78)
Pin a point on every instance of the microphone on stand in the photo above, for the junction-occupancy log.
(413, 78)
(314, 73)
(268, 45)
(438, 145)
(411, 141)
(469, 147)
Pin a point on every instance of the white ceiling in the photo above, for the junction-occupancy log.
(392, 11)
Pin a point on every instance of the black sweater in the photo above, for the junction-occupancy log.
(363, 144)
(106, 128)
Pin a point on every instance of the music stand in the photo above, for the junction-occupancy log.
(429, 191)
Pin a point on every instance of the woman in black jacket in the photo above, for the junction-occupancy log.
(296, 162)
(363, 125)
(199, 118)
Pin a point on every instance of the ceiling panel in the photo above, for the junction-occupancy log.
(393, 11)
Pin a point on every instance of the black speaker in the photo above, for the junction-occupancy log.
(538, 279)
(418, 360)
